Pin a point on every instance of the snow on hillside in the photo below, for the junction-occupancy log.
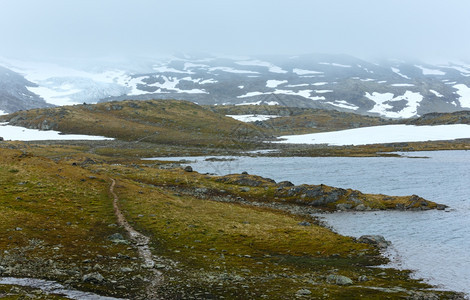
(252, 118)
(16, 133)
(343, 104)
(464, 92)
(272, 68)
(382, 134)
(397, 71)
(305, 72)
(427, 71)
(395, 87)
(383, 103)
(275, 83)
(335, 65)
(232, 70)
(436, 93)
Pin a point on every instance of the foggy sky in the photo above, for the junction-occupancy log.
(423, 29)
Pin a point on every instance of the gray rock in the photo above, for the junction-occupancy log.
(363, 278)
(360, 207)
(126, 270)
(343, 206)
(305, 223)
(245, 189)
(93, 278)
(201, 190)
(188, 169)
(339, 280)
(303, 292)
(118, 239)
(284, 184)
(377, 240)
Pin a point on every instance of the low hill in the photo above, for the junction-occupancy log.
(155, 121)
(459, 117)
(295, 120)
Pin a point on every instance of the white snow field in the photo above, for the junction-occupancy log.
(383, 107)
(252, 118)
(382, 134)
(17, 133)
(464, 92)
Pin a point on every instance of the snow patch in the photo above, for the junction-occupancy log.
(249, 103)
(335, 65)
(232, 70)
(170, 85)
(383, 108)
(252, 94)
(17, 133)
(305, 72)
(298, 85)
(252, 118)
(188, 65)
(436, 93)
(275, 83)
(301, 93)
(272, 68)
(165, 69)
(382, 134)
(464, 92)
(397, 71)
(343, 104)
(323, 91)
(2, 113)
(427, 71)
(402, 84)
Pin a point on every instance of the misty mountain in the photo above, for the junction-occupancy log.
(389, 88)
(14, 93)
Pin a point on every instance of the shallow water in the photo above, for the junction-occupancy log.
(435, 244)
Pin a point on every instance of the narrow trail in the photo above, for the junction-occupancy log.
(141, 242)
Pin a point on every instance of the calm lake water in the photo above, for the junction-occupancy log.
(435, 244)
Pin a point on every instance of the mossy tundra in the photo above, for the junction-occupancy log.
(231, 237)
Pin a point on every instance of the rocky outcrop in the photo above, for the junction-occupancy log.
(376, 240)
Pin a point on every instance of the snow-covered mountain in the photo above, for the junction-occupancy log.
(390, 88)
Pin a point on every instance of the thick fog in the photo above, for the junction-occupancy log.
(423, 29)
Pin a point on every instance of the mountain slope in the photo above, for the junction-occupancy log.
(14, 93)
(389, 88)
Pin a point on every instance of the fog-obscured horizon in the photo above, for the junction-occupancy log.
(117, 30)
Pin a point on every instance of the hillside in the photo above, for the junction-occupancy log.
(14, 93)
(459, 117)
(294, 120)
(168, 122)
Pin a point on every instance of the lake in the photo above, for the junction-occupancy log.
(435, 244)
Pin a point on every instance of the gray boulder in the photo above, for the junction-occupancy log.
(93, 278)
(377, 240)
(339, 280)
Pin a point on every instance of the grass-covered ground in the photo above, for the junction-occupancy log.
(208, 238)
